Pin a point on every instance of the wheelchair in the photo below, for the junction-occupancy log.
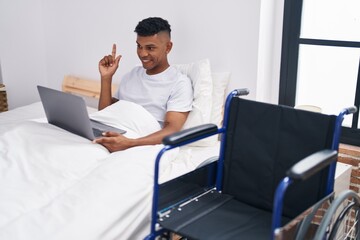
(273, 179)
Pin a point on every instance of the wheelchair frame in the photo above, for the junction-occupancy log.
(197, 133)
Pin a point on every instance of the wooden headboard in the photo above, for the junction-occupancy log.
(84, 87)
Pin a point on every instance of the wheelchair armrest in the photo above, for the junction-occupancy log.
(189, 134)
(312, 164)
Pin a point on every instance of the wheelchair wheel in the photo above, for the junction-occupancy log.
(346, 224)
(341, 220)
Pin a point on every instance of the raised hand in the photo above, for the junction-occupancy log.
(109, 64)
(107, 67)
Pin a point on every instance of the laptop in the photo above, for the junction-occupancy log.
(69, 112)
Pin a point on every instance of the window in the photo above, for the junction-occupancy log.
(320, 61)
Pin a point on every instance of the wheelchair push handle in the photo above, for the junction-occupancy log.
(351, 110)
(241, 92)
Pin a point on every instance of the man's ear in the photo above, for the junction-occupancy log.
(169, 46)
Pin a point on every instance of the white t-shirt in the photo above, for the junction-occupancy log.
(169, 90)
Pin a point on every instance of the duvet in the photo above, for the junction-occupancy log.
(57, 185)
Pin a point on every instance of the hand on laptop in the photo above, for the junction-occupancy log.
(114, 141)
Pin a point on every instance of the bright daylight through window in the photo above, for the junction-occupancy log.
(321, 58)
(327, 75)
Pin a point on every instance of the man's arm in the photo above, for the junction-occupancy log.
(174, 121)
(107, 68)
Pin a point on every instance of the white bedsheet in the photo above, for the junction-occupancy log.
(56, 185)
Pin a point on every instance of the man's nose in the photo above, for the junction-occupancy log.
(142, 52)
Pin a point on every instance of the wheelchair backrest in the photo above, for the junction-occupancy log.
(262, 142)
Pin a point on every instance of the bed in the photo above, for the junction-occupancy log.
(57, 185)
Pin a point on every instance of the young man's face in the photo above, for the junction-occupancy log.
(153, 50)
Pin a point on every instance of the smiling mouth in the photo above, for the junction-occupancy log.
(147, 64)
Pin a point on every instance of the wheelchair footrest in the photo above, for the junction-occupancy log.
(186, 214)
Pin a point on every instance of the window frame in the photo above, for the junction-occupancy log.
(289, 64)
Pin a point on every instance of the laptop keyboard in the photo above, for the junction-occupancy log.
(99, 128)
(97, 132)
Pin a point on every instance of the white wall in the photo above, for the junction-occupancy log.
(22, 51)
(270, 36)
(43, 40)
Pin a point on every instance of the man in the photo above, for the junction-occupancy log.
(159, 88)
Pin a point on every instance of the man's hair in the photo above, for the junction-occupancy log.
(151, 26)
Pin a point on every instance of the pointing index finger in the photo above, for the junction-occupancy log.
(113, 53)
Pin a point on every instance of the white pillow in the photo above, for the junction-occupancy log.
(220, 83)
(129, 116)
(200, 75)
(209, 95)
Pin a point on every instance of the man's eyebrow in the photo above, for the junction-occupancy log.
(147, 45)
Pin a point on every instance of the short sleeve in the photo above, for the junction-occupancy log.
(181, 97)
